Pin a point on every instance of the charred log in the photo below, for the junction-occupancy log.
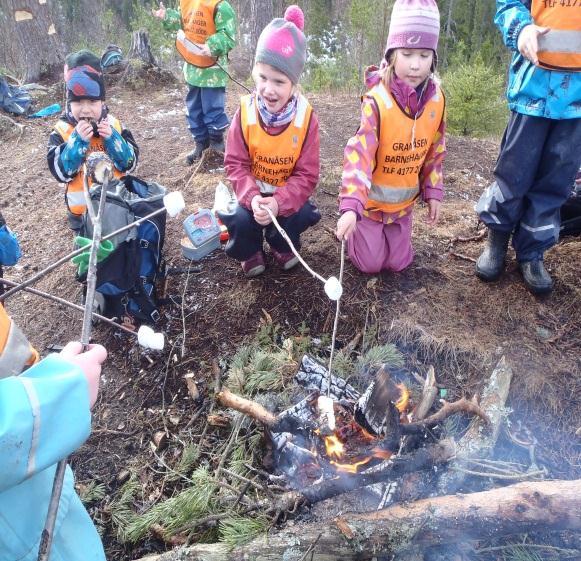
(375, 410)
(423, 459)
(517, 509)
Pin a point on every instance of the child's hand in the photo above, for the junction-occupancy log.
(260, 213)
(89, 362)
(104, 128)
(433, 212)
(159, 13)
(84, 129)
(346, 225)
(528, 41)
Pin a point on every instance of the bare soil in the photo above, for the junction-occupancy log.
(437, 310)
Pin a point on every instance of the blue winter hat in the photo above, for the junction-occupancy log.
(84, 77)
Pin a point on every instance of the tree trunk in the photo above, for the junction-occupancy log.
(30, 43)
(140, 48)
(261, 13)
(448, 36)
(525, 507)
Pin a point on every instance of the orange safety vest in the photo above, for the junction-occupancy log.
(560, 48)
(15, 350)
(273, 157)
(398, 161)
(197, 25)
(74, 194)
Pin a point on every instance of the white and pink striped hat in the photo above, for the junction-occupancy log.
(415, 24)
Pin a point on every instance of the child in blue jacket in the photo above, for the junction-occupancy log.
(539, 154)
(44, 416)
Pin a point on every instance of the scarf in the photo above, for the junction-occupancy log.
(283, 117)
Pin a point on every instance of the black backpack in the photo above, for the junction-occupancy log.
(127, 277)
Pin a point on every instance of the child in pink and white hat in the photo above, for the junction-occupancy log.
(396, 156)
(272, 152)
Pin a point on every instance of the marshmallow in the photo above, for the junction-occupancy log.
(333, 288)
(174, 203)
(149, 339)
(326, 414)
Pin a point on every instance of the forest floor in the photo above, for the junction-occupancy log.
(437, 311)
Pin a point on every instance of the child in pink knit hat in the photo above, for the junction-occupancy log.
(396, 156)
(272, 152)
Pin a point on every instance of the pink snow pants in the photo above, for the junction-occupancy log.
(375, 246)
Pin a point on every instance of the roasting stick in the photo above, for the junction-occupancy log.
(336, 321)
(173, 205)
(59, 476)
(334, 290)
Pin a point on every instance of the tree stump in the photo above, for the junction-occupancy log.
(141, 49)
(142, 68)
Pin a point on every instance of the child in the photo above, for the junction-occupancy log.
(44, 416)
(207, 31)
(272, 155)
(86, 127)
(539, 153)
(397, 154)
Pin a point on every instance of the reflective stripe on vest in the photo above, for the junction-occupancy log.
(559, 48)
(398, 160)
(74, 189)
(197, 25)
(15, 350)
(273, 157)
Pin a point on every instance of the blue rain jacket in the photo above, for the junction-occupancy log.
(532, 90)
(44, 416)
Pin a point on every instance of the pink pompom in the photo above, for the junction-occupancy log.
(295, 15)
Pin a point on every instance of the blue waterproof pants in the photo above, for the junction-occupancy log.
(536, 166)
(205, 113)
(246, 235)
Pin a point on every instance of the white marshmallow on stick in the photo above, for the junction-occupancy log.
(332, 286)
(326, 415)
(149, 339)
(174, 203)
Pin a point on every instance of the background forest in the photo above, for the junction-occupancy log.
(344, 37)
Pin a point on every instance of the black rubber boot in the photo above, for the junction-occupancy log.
(196, 153)
(536, 277)
(217, 142)
(490, 264)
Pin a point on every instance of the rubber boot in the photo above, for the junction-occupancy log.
(490, 264)
(536, 277)
(217, 142)
(196, 153)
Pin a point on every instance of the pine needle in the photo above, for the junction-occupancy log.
(189, 457)
(91, 492)
(174, 513)
(381, 354)
(238, 530)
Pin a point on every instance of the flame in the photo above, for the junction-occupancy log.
(351, 468)
(402, 403)
(333, 446)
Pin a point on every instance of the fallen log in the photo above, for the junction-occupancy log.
(516, 509)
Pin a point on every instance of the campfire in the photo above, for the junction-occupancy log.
(337, 439)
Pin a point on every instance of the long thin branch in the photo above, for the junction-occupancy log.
(68, 257)
(69, 304)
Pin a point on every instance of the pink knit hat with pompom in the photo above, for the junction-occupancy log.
(282, 44)
(414, 24)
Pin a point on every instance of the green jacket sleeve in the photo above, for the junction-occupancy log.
(224, 39)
